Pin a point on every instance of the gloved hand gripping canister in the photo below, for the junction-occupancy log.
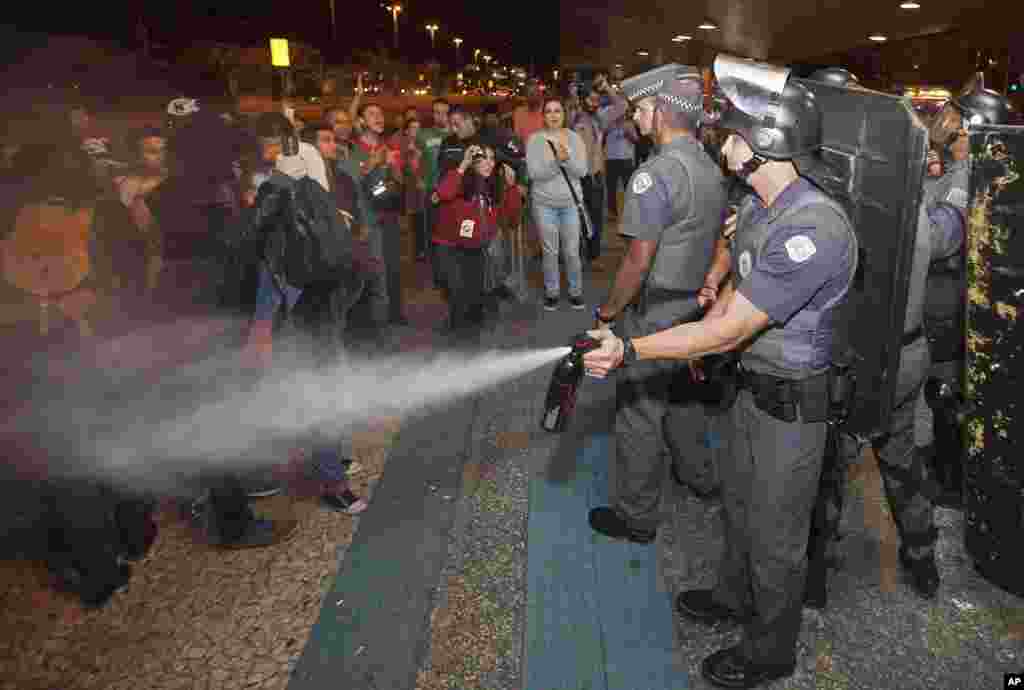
(561, 398)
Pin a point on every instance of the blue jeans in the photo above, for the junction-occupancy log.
(269, 297)
(560, 229)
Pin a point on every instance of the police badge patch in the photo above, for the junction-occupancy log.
(642, 182)
(745, 264)
(957, 197)
(800, 248)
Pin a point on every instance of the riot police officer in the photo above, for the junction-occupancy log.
(940, 237)
(793, 258)
(672, 214)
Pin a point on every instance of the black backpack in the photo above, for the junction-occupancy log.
(314, 239)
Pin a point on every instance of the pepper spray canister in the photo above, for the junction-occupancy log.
(561, 399)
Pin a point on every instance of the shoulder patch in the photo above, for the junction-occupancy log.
(957, 197)
(800, 248)
(642, 182)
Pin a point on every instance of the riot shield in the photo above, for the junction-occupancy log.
(874, 150)
(994, 471)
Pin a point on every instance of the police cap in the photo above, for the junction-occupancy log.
(676, 87)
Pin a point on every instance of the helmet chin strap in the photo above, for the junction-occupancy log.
(750, 167)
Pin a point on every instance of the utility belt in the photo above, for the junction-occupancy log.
(824, 397)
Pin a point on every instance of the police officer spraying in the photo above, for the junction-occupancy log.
(673, 211)
(793, 259)
(939, 436)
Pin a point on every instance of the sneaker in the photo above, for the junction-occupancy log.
(345, 502)
(550, 303)
(577, 303)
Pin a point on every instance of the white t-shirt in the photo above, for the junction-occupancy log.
(308, 163)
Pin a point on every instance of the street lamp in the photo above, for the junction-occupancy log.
(395, 9)
(487, 60)
(476, 55)
(432, 28)
(458, 44)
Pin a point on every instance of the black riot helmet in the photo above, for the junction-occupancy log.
(835, 76)
(778, 118)
(974, 105)
(981, 106)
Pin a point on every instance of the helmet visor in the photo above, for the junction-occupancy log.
(751, 87)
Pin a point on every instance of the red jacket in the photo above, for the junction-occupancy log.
(396, 156)
(461, 223)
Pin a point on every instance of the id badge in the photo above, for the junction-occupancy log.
(466, 229)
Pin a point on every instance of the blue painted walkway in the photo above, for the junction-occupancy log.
(598, 616)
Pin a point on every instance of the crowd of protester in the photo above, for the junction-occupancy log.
(198, 211)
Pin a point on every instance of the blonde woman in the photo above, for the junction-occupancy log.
(549, 152)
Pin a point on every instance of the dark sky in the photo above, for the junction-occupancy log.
(519, 37)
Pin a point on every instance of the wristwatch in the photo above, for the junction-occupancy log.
(628, 352)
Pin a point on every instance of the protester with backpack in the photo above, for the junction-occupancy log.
(292, 228)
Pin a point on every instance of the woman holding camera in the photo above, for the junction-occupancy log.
(474, 198)
(554, 155)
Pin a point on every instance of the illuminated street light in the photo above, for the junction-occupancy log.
(458, 44)
(432, 28)
(395, 9)
(487, 59)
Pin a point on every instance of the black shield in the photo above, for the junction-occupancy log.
(874, 151)
(994, 470)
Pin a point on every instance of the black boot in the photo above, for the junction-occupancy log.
(923, 574)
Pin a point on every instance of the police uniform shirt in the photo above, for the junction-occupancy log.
(945, 204)
(655, 189)
(800, 266)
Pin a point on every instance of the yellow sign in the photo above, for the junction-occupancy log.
(926, 93)
(279, 52)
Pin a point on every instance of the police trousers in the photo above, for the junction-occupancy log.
(641, 408)
(900, 462)
(769, 477)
